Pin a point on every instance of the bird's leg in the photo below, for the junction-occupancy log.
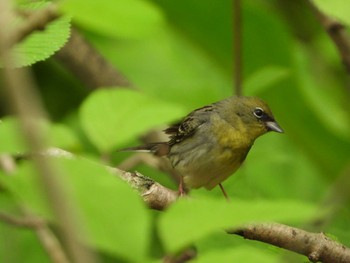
(224, 192)
(182, 191)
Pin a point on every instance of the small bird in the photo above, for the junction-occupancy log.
(212, 142)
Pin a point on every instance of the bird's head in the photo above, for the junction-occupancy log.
(250, 114)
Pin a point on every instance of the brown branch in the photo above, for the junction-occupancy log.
(316, 246)
(51, 245)
(336, 32)
(154, 194)
(30, 222)
(43, 232)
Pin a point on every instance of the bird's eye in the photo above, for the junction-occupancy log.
(258, 112)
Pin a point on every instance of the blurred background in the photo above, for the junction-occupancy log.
(179, 55)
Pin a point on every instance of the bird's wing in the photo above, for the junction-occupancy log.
(188, 126)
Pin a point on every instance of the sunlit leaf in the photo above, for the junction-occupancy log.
(122, 18)
(40, 45)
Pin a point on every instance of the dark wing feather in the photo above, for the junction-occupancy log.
(188, 126)
(178, 132)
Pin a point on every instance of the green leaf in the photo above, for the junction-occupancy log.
(110, 117)
(40, 45)
(113, 216)
(122, 18)
(190, 220)
(339, 9)
(263, 79)
(12, 141)
(116, 218)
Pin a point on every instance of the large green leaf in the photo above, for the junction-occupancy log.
(190, 220)
(113, 216)
(40, 45)
(121, 18)
(110, 117)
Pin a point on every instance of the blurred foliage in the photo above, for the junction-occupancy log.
(41, 44)
(179, 55)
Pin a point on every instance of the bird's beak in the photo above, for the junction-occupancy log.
(273, 126)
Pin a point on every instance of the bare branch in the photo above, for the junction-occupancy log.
(51, 245)
(336, 32)
(30, 222)
(43, 232)
(316, 246)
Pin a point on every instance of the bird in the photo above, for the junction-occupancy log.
(210, 143)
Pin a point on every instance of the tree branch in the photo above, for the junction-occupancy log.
(30, 222)
(316, 246)
(336, 32)
(43, 232)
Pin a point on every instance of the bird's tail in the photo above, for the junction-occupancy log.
(157, 148)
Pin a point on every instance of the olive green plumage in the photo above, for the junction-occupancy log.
(211, 142)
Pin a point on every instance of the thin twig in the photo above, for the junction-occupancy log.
(337, 32)
(46, 237)
(30, 222)
(237, 47)
(51, 245)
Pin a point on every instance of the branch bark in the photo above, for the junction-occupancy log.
(316, 246)
(43, 232)
(337, 32)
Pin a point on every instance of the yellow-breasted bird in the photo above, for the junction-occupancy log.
(211, 142)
